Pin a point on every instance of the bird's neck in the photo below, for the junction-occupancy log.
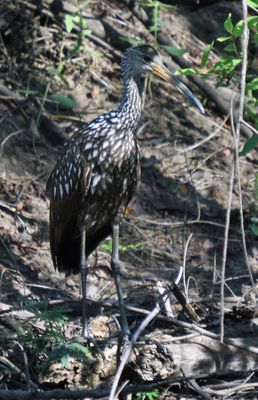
(131, 103)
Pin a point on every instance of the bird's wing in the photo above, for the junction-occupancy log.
(67, 187)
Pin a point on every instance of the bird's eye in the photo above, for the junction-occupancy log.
(147, 58)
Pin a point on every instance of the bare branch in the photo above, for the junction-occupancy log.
(237, 138)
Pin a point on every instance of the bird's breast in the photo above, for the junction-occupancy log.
(113, 181)
(115, 166)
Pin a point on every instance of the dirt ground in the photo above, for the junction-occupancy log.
(176, 218)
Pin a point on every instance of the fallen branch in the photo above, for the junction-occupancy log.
(103, 392)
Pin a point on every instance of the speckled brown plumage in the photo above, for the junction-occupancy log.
(97, 173)
(92, 183)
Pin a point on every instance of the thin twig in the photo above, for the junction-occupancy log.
(249, 126)
(129, 348)
(26, 365)
(239, 387)
(226, 234)
(201, 142)
(184, 263)
(192, 383)
(253, 8)
(177, 224)
(238, 127)
(167, 304)
(232, 342)
(8, 138)
(17, 370)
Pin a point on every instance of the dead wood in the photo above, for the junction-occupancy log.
(160, 357)
(200, 355)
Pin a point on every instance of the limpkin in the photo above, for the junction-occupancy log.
(97, 174)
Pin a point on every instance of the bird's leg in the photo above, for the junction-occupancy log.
(84, 272)
(116, 272)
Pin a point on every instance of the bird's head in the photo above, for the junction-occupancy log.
(143, 60)
(140, 60)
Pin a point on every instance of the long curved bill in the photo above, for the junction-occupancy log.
(161, 71)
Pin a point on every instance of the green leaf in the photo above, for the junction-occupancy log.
(107, 246)
(206, 54)
(86, 32)
(238, 28)
(69, 20)
(80, 348)
(252, 3)
(65, 360)
(228, 25)
(77, 19)
(187, 71)
(253, 85)
(254, 229)
(235, 62)
(148, 395)
(223, 39)
(226, 65)
(63, 100)
(174, 51)
(249, 145)
(231, 47)
(252, 22)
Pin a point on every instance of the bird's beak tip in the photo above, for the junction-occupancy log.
(188, 94)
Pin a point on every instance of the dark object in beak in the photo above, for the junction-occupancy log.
(161, 71)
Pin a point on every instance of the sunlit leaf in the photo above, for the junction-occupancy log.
(252, 22)
(223, 39)
(206, 54)
(226, 65)
(76, 19)
(228, 25)
(69, 19)
(187, 71)
(252, 3)
(238, 28)
(253, 85)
